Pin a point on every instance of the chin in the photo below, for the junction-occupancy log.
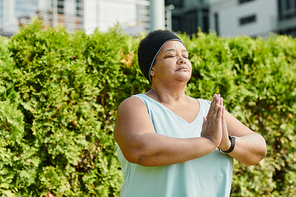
(184, 79)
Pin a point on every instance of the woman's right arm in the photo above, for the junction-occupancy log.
(134, 132)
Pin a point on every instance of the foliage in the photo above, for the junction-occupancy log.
(59, 94)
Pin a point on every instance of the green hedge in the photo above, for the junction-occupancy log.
(59, 94)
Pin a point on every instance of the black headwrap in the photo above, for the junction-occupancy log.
(152, 49)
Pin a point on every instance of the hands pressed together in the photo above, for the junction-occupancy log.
(214, 125)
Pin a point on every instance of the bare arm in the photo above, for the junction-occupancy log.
(250, 147)
(135, 134)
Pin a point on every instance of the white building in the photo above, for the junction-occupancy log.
(131, 15)
(11, 10)
(252, 17)
(226, 17)
(235, 17)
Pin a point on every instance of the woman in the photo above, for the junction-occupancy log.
(170, 144)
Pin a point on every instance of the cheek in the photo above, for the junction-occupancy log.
(167, 65)
(190, 65)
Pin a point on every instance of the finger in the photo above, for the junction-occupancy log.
(217, 104)
(223, 120)
(224, 125)
(212, 106)
(218, 116)
(225, 138)
(220, 99)
(213, 102)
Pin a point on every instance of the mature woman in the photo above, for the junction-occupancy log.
(173, 145)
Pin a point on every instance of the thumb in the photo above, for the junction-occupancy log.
(204, 122)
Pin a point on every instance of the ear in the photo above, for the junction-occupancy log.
(152, 72)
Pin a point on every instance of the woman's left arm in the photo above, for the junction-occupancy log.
(250, 147)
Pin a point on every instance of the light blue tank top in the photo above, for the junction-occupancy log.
(207, 176)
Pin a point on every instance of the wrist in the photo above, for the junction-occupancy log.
(211, 142)
(225, 145)
(231, 147)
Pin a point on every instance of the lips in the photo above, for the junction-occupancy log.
(183, 68)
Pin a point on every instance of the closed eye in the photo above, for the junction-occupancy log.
(186, 55)
(170, 56)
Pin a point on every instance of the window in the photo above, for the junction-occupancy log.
(286, 9)
(205, 21)
(176, 3)
(61, 6)
(247, 20)
(289, 31)
(190, 22)
(244, 1)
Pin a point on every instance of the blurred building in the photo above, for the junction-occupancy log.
(189, 15)
(132, 15)
(13, 11)
(226, 17)
(286, 23)
(253, 17)
(243, 17)
(235, 17)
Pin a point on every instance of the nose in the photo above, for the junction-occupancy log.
(181, 60)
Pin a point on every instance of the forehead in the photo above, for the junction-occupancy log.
(173, 45)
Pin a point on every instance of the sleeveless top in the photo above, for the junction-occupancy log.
(207, 176)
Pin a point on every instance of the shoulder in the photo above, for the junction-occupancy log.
(132, 114)
(132, 100)
(133, 103)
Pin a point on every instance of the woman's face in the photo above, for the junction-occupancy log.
(172, 63)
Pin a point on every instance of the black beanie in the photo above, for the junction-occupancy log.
(152, 49)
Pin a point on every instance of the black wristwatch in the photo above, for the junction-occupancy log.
(232, 140)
